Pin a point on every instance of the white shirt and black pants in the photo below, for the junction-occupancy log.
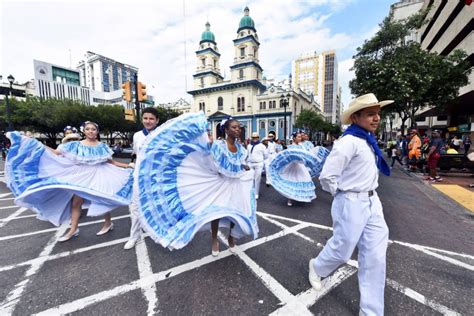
(350, 174)
(257, 154)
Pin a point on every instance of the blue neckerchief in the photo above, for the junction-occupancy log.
(357, 131)
(146, 132)
(253, 145)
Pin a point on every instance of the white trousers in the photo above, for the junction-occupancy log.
(257, 167)
(135, 228)
(267, 167)
(358, 221)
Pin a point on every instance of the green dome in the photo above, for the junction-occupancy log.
(207, 35)
(246, 22)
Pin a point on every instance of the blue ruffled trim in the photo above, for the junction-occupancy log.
(228, 163)
(308, 145)
(22, 169)
(299, 191)
(320, 154)
(84, 154)
(22, 166)
(161, 209)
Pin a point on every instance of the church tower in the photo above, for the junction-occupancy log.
(246, 65)
(207, 55)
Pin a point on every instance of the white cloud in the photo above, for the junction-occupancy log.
(152, 35)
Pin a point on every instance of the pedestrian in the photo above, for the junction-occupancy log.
(307, 144)
(433, 156)
(395, 155)
(455, 143)
(186, 184)
(150, 120)
(80, 173)
(70, 134)
(404, 150)
(257, 153)
(350, 174)
(414, 149)
(467, 143)
(292, 170)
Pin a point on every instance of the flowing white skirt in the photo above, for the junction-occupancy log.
(46, 183)
(181, 189)
(292, 170)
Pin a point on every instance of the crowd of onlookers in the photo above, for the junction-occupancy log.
(416, 152)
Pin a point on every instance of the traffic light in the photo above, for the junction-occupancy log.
(130, 115)
(141, 90)
(127, 91)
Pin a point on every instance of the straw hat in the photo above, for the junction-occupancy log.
(70, 138)
(255, 135)
(362, 102)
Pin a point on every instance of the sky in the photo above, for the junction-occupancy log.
(161, 37)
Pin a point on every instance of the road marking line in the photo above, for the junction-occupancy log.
(145, 271)
(5, 194)
(4, 221)
(421, 298)
(122, 289)
(21, 217)
(156, 277)
(13, 298)
(6, 207)
(7, 199)
(295, 220)
(281, 225)
(55, 229)
(420, 247)
(311, 296)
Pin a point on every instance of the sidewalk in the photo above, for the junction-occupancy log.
(455, 185)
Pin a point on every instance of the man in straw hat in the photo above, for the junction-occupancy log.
(350, 174)
(257, 153)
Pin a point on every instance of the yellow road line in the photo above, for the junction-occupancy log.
(457, 193)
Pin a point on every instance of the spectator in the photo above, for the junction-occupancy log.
(414, 152)
(467, 143)
(433, 156)
(455, 143)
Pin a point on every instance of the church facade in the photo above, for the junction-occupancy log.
(246, 97)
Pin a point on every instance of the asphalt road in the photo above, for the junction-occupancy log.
(429, 270)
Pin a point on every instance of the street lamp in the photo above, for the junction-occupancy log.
(11, 79)
(285, 99)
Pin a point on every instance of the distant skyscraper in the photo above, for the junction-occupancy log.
(104, 74)
(317, 74)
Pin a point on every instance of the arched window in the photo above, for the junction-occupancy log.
(240, 104)
(202, 82)
(241, 74)
(220, 104)
(202, 106)
(262, 124)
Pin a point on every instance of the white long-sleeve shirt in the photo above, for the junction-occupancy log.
(271, 148)
(351, 166)
(259, 153)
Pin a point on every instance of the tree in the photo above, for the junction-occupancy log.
(311, 120)
(394, 68)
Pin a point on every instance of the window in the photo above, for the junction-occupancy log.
(272, 104)
(215, 63)
(271, 123)
(202, 106)
(242, 52)
(241, 74)
(263, 105)
(280, 123)
(203, 61)
(202, 82)
(262, 124)
(240, 104)
(220, 104)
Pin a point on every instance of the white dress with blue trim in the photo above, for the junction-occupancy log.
(185, 183)
(292, 170)
(46, 182)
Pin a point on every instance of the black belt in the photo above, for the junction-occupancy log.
(369, 193)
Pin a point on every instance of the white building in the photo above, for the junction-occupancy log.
(180, 105)
(245, 96)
